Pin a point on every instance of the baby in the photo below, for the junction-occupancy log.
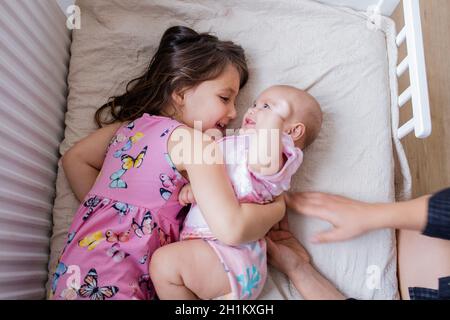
(239, 272)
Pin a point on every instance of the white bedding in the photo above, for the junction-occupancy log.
(328, 51)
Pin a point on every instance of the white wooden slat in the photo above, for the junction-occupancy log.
(417, 69)
(8, 277)
(23, 294)
(24, 181)
(18, 98)
(15, 158)
(27, 257)
(24, 79)
(34, 57)
(39, 149)
(401, 37)
(402, 67)
(24, 199)
(25, 219)
(23, 210)
(35, 22)
(23, 238)
(26, 123)
(54, 21)
(10, 12)
(21, 65)
(404, 97)
(27, 51)
(406, 129)
(417, 91)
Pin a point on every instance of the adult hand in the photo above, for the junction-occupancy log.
(286, 254)
(284, 251)
(350, 218)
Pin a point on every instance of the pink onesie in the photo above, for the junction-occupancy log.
(131, 211)
(246, 264)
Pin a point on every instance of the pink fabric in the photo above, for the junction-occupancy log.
(246, 265)
(246, 268)
(248, 186)
(131, 211)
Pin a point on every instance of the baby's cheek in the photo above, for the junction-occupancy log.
(284, 111)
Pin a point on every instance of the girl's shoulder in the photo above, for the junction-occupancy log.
(152, 121)
(149, 125)
(145, 130)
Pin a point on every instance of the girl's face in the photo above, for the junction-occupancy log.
(212, 102)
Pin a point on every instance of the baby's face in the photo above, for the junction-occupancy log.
(273, 109)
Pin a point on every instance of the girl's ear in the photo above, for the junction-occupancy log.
(178, 98)
(297, 131)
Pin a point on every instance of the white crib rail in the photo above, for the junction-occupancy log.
(34, 56)
(417, 92)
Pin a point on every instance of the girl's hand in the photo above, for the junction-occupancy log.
(350, 218)
(284, 251)
(186, 195)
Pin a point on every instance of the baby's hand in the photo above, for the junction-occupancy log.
(186, 195)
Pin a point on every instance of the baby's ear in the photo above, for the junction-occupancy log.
(297, 131)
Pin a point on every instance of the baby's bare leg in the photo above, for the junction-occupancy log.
(188, 270)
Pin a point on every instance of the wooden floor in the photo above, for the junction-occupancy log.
(429, 159)
(423, 260)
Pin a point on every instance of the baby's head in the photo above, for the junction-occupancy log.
(300, 113)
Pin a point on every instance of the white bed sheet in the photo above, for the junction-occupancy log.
(329, 51)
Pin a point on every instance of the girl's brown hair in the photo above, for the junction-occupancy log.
(183, 60)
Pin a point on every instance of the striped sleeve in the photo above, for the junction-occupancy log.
(438, 225)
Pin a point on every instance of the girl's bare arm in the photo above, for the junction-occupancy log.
(83, 161)
(231, 222)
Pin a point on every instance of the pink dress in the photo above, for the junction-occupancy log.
(246, 264)
(131, 211)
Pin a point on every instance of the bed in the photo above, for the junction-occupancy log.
(342, 57)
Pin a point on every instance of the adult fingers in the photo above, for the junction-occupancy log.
(271, 246)
(315, 205)
(332, 235)
(284, 223)
(297, 200)
(278, 235)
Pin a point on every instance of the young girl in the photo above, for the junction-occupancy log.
(132, 208)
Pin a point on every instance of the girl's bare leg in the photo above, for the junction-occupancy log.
(188, 270)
